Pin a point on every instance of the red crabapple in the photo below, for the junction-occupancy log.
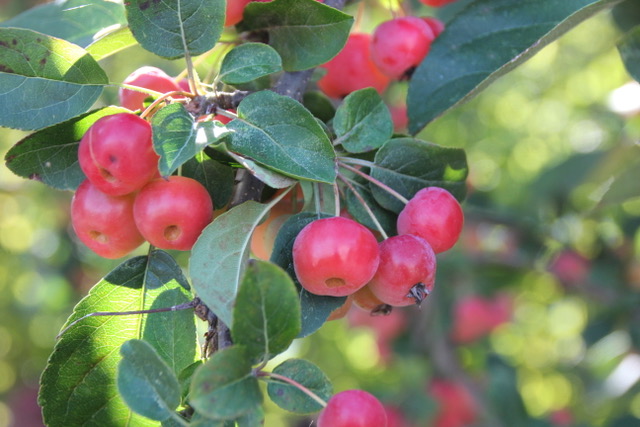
(104, 223)
(435, 215)
(366, 300)
(398, 45)
(341, 311)
(352, 69)
(436, 25)
(436, 3)
(456, 406)
(172, 213)
(407, 271)
(149, 78)
(353, 408)
(335, 256)
(116, 154)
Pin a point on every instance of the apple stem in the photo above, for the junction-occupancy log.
(294, 383)
(185, 306)
(364, 205)
(163, 98)
(371, 179)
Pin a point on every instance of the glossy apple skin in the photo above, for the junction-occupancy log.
(171, 213)
(435, 215)
(352, 69)
(353, 408)
(400, 44)
(335, 256)
(436, 3)
(436, 25)
(149, 78)
(116, 154)
(405, 261)
(104, 223)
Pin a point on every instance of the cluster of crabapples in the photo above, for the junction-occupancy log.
(340, 257)
(124, 201)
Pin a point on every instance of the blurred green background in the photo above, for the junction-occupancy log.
(550, 250)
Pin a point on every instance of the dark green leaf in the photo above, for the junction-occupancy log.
(269, 177)
(626, 14)
(363, 122)
(305, 33)
(76, 21)
(281, 134)
(386, 218)
(44, 80)
(51, 155)
(266, 317)
(111, 43)
(177, 137)
(629, 48)
(201, 421)
(292, 398)
(314, 308)
(185, 377)
(220, 255)
(78, 386)
(484, 41)
(254, 418)
(248, 62)
(145, 382)
(319, 105)
(407, 165)
(224, 388)
(216, 178)
(172, 28)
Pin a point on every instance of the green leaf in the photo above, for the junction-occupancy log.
(363, 122)
(266, 317)
(177, 137)
(111, 43)
(314, 308)
(78, 386)
(185, 376)
(629, 48)
(220, 256)
(325, 202)
(145, 382)
(44, 80)
(224, 388)
(305, 33)
(292, 398)
(486, 40)
(319, 104)
(280, 133)
(217, 178)
(253, 418)
(172, 28)
(76, 21)
(386, 218)
(248, 62)
(269, 177)
(408, 165)
(51, 155)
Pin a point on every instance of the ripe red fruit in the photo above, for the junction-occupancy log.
(104, 223)
(436, 3)
(407, 271)
(456, 405)
(474, 317)
(435, 215)
(149, 78)
(400, 44)
(352, 69)
(436, 25)
(353, 408)
(172, 213)
(366, 300)
(335, 256)
(116, 154)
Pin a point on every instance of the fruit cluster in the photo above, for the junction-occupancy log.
(340, 257)
(124, 201)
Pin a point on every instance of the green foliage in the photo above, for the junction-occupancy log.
(280, 133)
(111, 43)
(458, 67)
(51, 155)
(172, 30)
(57, 79)
(266, 316)
(304, 32)
(79, 382)
(248, 62)
(629, 48)
(292, 398)
(363, 122)
(216, 178)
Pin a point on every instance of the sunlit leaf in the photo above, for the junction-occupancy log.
(248, 62)
(292, 398)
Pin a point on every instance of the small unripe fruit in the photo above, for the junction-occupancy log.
(335, 256)
(149, 78)
(116, 154)
(435, 215)
(171, 213)
(353, 408)
(104, 223)
(407, 271)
